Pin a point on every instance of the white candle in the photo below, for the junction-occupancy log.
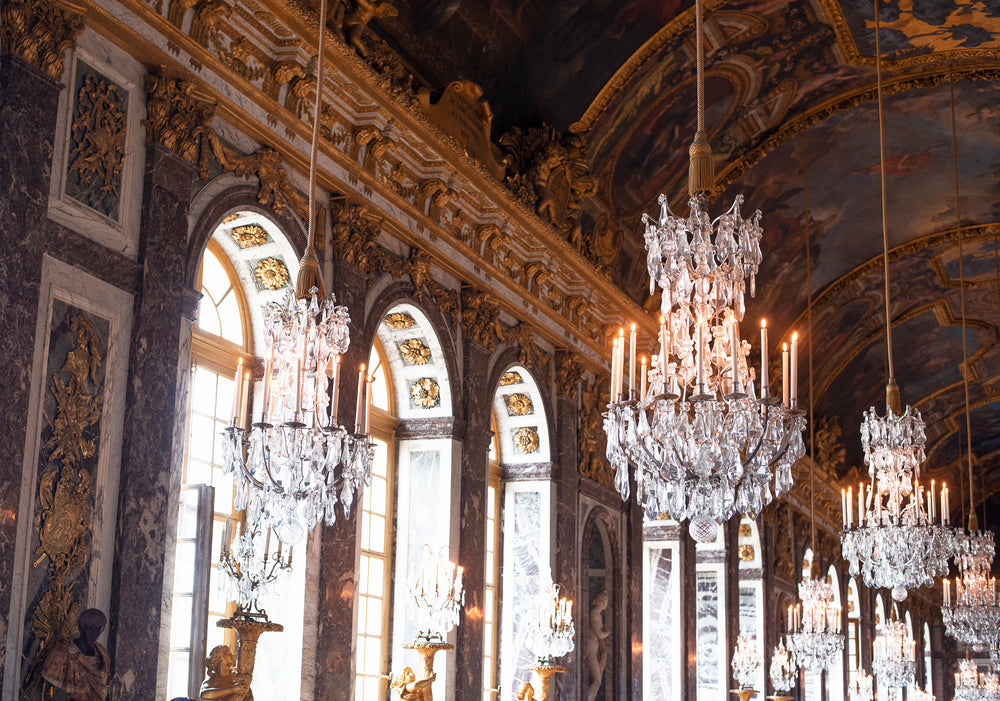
(784, 373)
(861, 504)
(631, 362)
(933, 497)
(614, 368)
(947, 592)
(298, 387)
(701, 356)
(244, 398)
(358, 408)
(268, 369)
(763, 358)
(850, 506)
(642, 379)
(334, 405)
(843, 508)
(368, 403)
(621, 363)
(267, 544)
(663, 351)
(945, 511)
(790, 629)
(795, 368)
(236, 389)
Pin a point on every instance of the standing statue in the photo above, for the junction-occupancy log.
(597, 649)
(222, 682)
(81, 668)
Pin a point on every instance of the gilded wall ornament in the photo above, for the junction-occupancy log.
(398, 321)
(425, 393)
(271, 273)
(745, 530)
(569, 370)
(510, 378)
(249, 235)
(480, 312)
(526, 440)
(65, 495)
(591, 439)
(97, 143)
(519, 404)
(39, 32)
(746, 552)
(415, 352)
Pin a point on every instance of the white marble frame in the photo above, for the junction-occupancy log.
(73, 286)
(121, 235)
(648, 547)
(507, 425)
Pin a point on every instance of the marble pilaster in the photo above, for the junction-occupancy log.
(154, 429)
(477, 401)
(567, 553)
(633, 580)
(335, 640)
(28, 103)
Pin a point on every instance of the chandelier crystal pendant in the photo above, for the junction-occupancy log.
(704, 446)
(897, 542)
(293, 466)
(893, 663)
(862, 686)
(815, 640)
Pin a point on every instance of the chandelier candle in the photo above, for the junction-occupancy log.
(236, 390)
(763, 358)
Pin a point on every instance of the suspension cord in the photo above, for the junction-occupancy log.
(809, 320)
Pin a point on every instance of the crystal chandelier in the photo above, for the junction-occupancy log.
(292, 466)
(746, 660)
(438, 593)
(815, 640)
(973, 685)
(703, 444)
(248, 573)
(918, 694)
(893, 662)
(861, 687)
(896, 543)
(550, 625)
(974, 615)
(782, 671)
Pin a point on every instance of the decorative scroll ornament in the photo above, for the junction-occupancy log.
(249, 236)
(510, 378)
(519, 404)
(271, 273)
(39, 32)
(425, 393)
(415, 351)
(98, 134)
(65, 495)
(526, 440)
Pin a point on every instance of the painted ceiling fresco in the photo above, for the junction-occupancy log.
(789, 84)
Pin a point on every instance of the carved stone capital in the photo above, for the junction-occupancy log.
(177, 113)
(480, 312)
(354, 234)
(39, 32)
(569, 370)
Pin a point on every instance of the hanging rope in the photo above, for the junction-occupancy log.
(701, 170)
(309, 276)
(809, 328)
(973, 525)
(891, 390)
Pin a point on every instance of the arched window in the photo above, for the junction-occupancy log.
(661, 615)
(928, 661)
(235, 284)
(375, 540)
(492, 569)
(812, 685)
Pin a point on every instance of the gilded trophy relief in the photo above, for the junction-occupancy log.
(57, 582)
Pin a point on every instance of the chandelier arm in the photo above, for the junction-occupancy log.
(240, 460)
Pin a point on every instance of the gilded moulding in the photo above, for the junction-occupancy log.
(519, 404)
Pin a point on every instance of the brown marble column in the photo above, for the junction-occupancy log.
(28, 101)
(567, 488)
(335, 644)
(159, 369)
(633, 578)
(476, 401)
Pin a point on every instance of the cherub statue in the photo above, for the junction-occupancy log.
(81, 668)
(362, 12)
(525, 693)
(222, 682)
(597, 648)
(410, 688)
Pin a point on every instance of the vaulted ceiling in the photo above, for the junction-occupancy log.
(790, 92)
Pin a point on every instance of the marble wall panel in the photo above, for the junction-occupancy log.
(661, 640)
(28, 102)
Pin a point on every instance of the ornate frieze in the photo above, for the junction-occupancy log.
(39, 32)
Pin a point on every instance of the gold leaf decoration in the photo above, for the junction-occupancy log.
(519, 404)
(745, 530)
(746, 553)
(399, 320)
(526, 440)
(64, 496)
(425, 393)
(249, 235)
(510, 378)
(97, 144)
(415, 352)
(272, 273)
(231, 218)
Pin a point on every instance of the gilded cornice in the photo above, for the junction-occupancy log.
(389, 180)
